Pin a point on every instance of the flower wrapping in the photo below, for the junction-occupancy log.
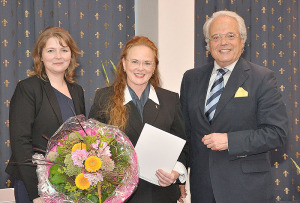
(87, 161)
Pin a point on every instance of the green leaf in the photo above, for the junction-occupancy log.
(94, 198)
(55, 176)
(79, 135)
(59, 159)
(59, 150)
(113, 65)
(107, 80)
(296, 164)
(54, 169)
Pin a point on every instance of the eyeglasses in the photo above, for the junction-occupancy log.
(228, 36)
(137, 63)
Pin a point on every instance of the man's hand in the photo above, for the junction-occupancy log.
(216, 141)
(182, 192)
(165, 179)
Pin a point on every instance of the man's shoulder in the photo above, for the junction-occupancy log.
(256, 69)
(253, 65)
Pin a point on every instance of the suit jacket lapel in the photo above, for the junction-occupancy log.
(204, 82)
(151, 110)
(134, 118)
(75, 98)
(53, 101)
(237, 78)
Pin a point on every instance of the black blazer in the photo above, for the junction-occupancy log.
(34, 111)
(255, 124)
(166, 116)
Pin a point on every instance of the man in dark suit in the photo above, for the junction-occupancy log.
(233, 116)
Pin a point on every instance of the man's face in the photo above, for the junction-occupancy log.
(225, 49)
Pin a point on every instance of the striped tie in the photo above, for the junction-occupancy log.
(215, 94)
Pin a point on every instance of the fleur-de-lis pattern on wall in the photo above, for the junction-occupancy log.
(273, 42)
(100, 28)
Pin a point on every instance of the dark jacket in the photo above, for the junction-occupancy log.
(166, 116)
(34, 112)
(256, 123)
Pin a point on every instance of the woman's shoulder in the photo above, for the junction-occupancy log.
(105, 90)
(32, 82)
(164, 94)
(75, 85)
(103, 93)
(31, 87)
(160, 90)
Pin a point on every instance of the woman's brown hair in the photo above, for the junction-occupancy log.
(117, 111)
(63, 37)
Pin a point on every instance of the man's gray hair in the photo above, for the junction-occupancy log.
(239, 19)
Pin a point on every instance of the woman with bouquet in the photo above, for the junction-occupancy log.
(135, 98)
(40, 104)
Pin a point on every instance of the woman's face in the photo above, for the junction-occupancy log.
(139, 66)
(56, 57)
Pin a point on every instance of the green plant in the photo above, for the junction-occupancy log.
(115, 69)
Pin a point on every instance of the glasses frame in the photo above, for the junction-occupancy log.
(228, 36)
(137, 63)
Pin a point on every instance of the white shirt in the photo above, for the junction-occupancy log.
(215, 73)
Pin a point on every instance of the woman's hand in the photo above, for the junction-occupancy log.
(38, 200)
(165, 179)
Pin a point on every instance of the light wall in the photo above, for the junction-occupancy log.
(170, 24)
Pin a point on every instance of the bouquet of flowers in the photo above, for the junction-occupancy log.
(87, 161)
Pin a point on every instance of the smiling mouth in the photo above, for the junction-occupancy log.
(139, 75)
(225, 50)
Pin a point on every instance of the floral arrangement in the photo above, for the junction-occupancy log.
(87, 161)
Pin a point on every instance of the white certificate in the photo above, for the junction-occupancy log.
(157, 149)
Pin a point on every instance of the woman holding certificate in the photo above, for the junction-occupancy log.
(135, 98)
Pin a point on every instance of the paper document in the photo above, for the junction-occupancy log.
(157, 149)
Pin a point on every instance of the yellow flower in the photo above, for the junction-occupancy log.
(92, 164)
(82, 182)
(78, 146)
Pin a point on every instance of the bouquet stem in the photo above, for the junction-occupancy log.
(99, 191)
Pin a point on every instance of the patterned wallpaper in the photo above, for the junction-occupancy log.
(273, 42)
(100, 27)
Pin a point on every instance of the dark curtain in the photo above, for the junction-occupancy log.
(100, 27)
(273, 42)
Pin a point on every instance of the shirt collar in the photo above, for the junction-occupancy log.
(230, 67)
(152, 95)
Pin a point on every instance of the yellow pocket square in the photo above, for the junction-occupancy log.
(241, 93)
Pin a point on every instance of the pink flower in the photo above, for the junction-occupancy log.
(89, 131)
(79, 156)
(94, 178)
(95, 145)
(107, 163)
(104, 150)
